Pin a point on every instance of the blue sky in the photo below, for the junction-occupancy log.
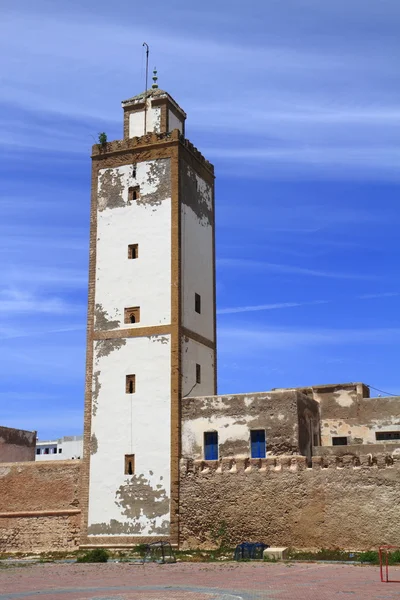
(297, 103)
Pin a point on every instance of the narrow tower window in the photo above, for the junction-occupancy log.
(133, 193)
(129, 464)
(197, 303)
(133, 251)
(211, 445)
(130, 386)
(257, 437)
(198, 373)
(132, 314)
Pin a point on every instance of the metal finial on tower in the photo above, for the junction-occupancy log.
(155, 78)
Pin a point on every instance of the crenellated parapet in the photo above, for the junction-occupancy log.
(152, 139)
(288, 463)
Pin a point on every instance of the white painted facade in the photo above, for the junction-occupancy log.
(65, 448)
(134, 207)
(153, 120)
(174, 122)
(136, 424)
(146, 281)
(197, 265)
(195, 353)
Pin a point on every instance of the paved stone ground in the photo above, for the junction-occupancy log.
(188, 581)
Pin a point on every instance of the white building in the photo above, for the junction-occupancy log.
(151, 320)
(67, 447)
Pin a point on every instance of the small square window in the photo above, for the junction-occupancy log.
(257, 438)
(37, 450)
(132, 315)
(129, 464)
(198, 373)
(387, 435)
(133, 193)
(211, 445)
(197, 303)
(339, 441)
(130, 386)
(133, 251)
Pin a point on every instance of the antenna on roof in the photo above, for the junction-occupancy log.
(145, 93)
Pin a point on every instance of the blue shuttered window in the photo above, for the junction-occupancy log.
(211, 445)
(257, 437)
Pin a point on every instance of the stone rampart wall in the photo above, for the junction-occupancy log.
(340, 502)
(39, 506)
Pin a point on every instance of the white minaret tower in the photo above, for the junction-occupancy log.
(151, 320)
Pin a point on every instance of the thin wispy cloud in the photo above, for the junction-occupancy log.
(287, 269)
(236, 340)
(283, 305)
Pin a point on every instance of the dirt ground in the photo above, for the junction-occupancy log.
(211, 581)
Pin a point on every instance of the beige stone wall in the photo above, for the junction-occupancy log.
(16, 445)
(39, 506)
(279, 501)
(288, 417)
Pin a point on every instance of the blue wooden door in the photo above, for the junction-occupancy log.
(211, 445)
(258, 443)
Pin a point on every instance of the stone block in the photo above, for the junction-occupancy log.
(275, 553)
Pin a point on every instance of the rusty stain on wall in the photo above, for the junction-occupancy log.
(114, 527)
(105, 347)
(94, 446)
(95, 392)
(193, 196)
(160, 175)
(102, 320)
(138, 497)
(111, 190)
(162, 339)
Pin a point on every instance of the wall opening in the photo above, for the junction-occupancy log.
(197, 303)
(130, 385)
(129, 464)
(133, 251)
(133, 193)
(211, 445)
(258, 447)
(37, 450)
(387, 435)
(132, 315)
(339, 441)
(198, 373)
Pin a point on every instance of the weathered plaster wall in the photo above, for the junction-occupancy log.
(39, 506)
(234, 416)
(153, 120)
(17, 445)
(136, 424)
(145, 281)
(174, 122)
(346, 413)
(197, 252)
(281, 502)
(195, 353)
